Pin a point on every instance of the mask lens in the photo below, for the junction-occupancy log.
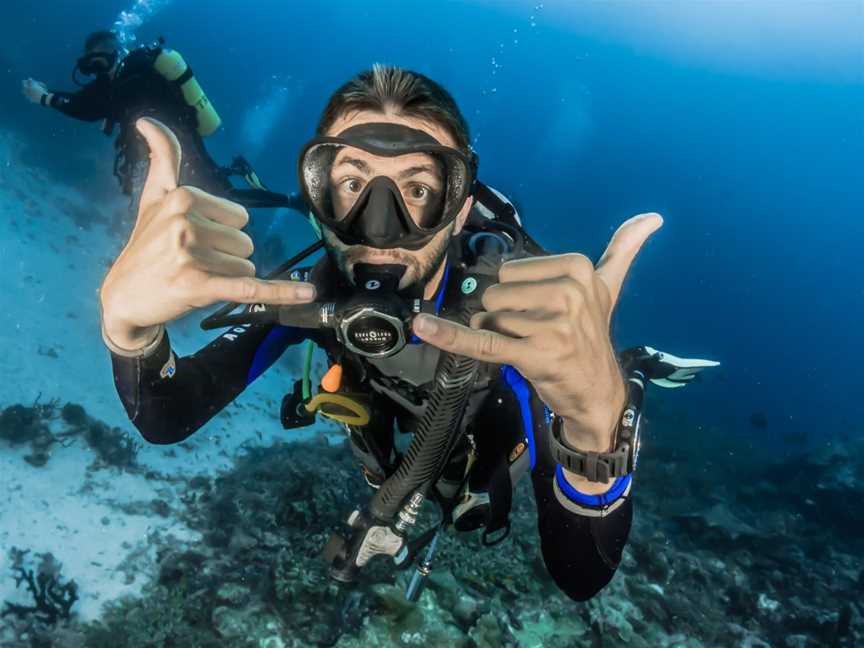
(315, 166)
(96, 62)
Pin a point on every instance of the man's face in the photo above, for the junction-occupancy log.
(103, 53)
(420, 180)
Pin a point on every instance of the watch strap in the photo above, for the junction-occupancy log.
(594, 466)
(603, 466)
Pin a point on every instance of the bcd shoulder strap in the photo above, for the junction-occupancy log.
(492, 207)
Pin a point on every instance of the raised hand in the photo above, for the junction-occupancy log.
(186, 251)
(33, 90)
(549, 318)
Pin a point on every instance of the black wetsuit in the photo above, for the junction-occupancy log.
(582, 537)
(136, 89)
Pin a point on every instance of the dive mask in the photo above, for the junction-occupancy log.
(338, 181)
(94, 63)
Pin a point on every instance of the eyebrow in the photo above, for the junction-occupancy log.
(355, 162)
(421, 168)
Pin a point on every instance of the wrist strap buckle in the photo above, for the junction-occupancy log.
(603, 466)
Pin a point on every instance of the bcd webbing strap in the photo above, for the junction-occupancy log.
(506, 213)
(503, 210)
(500, 503)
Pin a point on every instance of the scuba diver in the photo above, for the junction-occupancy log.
(440, 318)
(152, 81)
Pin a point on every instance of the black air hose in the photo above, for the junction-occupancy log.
(430, 446)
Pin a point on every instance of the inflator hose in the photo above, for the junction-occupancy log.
(430, 446)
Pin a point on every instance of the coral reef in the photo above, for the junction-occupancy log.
(112, 446)
(20, 424)
(764, 556)
(52, 599)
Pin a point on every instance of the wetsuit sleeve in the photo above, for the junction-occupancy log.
(91, 103)
(169, 398)
(582, 537)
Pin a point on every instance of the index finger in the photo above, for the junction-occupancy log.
(249, 290)
(483, 345)
(623, 248)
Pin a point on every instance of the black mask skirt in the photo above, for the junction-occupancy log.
(379, 211)
(96, 62)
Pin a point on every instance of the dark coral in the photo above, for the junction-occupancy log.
(52, 598)
(112, 445)
(74, 414)
(754, 552)
(20, 424)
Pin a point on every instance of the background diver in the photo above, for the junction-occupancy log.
(440, 317)
(152, 81)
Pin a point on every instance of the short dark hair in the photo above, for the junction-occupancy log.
(408, 93)
(99, 38)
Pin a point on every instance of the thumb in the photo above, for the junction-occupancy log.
(165, 154)
(622, 250)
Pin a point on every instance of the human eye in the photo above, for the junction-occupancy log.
(419, 193)
(351, 186)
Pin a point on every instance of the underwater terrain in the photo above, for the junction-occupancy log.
(749, 523)
(217, 541)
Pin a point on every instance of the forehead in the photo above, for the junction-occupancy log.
(393, 163)
(356, 117)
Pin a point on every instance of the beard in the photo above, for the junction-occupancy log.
(420, 265)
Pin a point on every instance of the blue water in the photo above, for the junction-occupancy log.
(743, 124)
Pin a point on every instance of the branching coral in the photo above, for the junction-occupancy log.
(52, 599)
(20, 424)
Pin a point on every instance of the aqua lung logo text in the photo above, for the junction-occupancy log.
(372, 336)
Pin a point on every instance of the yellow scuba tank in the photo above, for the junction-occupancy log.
(171, 65)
